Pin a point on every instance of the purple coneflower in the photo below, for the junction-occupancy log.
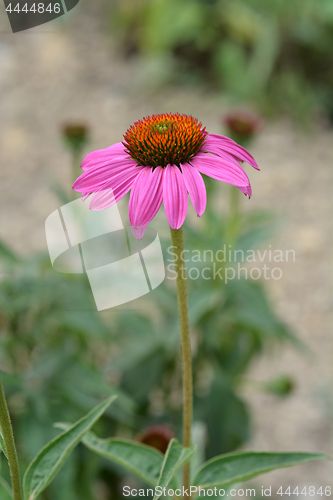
(162, 158)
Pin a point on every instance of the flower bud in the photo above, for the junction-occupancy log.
(157, 436)
(242, 125)
(75, 135)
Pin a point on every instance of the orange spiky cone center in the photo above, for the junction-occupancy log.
(164, 139)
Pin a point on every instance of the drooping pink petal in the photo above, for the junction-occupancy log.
(94, 178)
(102, 199)
(220, 169)
(231, 147)
(247, 190)
(174, 196)
(216, 151)
(196, 188)
(146, 196)
(103, 155)
(139, 231)
(113, 190)
(85, 196)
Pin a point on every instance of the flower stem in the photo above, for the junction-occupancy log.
(75, 168)
(234, 215)
(234, 202)
(178, 243)
(7, 432)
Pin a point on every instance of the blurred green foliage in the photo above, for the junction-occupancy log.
(276, 54)
(61, 356)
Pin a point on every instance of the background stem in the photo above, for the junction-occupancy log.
(234, 219)
(178, 243)
(75, 168)
(8, 437)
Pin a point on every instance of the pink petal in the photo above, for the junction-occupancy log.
(85, 196)
(119, 177)
(139, 231)
(113, 191)
(174, 196)
(247, 190)
(195, 187)
(216, 151)
(146, 196)
(220, 169)
(94, 178)
(99, 156)
(102, 199)
(229, 146)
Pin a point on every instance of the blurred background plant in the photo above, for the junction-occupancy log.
(61, 356)
(274, 54)
(75, 136)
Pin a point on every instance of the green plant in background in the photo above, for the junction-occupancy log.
(276, 54)
(52, 347)
(143, 461)
(242, 126)
(231, 325)
(53, 341)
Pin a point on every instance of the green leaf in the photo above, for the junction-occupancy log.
(238, 467)
(199, 434)
(5, 490)
(175, 457)
(143, 461)
(2, 445)
(225, 415)
(52, 457)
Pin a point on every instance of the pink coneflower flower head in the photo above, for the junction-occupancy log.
(162, 159)
(157, 436)
(242, 124)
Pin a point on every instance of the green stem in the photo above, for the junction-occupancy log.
(178, 243)
(234, 215)
(75, 167)
(8, 437)
(234, 203)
